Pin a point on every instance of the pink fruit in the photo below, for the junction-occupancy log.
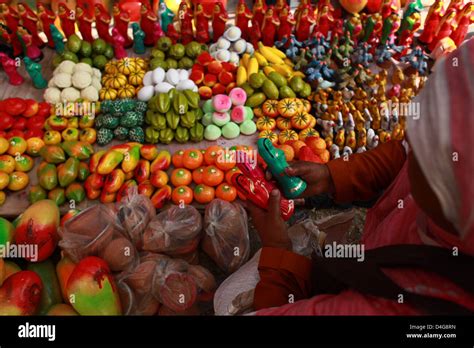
(353, 6)
(238, 96)
(221, 103)
(238, 114)
(220, 118)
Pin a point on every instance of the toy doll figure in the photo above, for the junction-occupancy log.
(121, 22)
(279, 6)
(138, 38)
(84, 22)
(157, 32)
(286, 24)
(369, 26)
(10, 16)
(304, 21)
(259, 9)
(172, 33)
(201, 20)
(68, 19)
(12, 40)
(58, 39)
(463, 19)
(408, 28)
(219, 19)
(445, 28)
(390, 27)
(325, 22)
(269, 27)
(256, 34)
(432, 21)
(34, 70)
(354, 27)
(46, 17)
(388, 7)
(29, 21)
(243, 17)
(166, 16)
(186, 23)
(302, 5)
(148, 18)
(29, 48)
(10, 68)
(119, 43)
(102, 22)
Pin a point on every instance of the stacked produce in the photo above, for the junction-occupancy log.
(230, 47)
(165, 55)
(72, 81)
(174, 115)
(158, 81)
(227, 116)
(212, 77)
(121, 120)
(76, 50)
(62, 172)
(22, 117)
(123, 78)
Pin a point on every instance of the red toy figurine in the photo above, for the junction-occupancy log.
(46, 17)
(84, 22)
(30, 50)
(286, 23)
(121, 21)
(10, 16)
(259, 9)
(219, 19)
(432, 21)
(464, 19)
(148, 18)
(102, 22)
(243, 16)
(388, 7)
(445, 28)
(325, 22)
(186, 23)
(9, 65)
(201, 19)
(11, 39)
(256, 34)
(303, 4)
(269, 27)
(172, 33)
(279, 6)
(29, 20)
(157, 32)
(68, 19)
(303, 23)
(119, 42)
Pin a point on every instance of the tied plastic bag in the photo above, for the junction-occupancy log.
(175, 231)
(134, 212)
(94, 232)
(226, 236)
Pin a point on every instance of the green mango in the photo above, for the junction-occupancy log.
(83, 171)
(48, 176)
(270, 89)
(52, 154)
(51, 293)
(192, 98)
(255, 100)
(67, 173)
(58, 196)
(75, 192)
(287, 92)
(164, 103)
(37, 193)
(78, 149)
(277, 79)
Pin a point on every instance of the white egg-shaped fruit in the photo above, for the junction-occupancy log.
(148, 79)
(145, 93)
(239, 46)
(223, 55)
(233, 33)
(250, 49)
(213, 48)
(163, 87)
(158, 75)
(184, 85)
(172, 77)
(234, 58)
(183, 75)
(223, 44)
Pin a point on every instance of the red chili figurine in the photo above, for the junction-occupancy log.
(29, 20)
(243, 16)
(464, 19)
(68, 19)
(219, 19)
(46, 17)
(432, 21)
(148, 18)
(119, 42)
(201, 20)
(303, 23)
(269, 27)
(102, 22)
(84, 22)
(286, 24)
(9, 65)
(259, 9)
(445, 28)
(121, 21)
(157, 32)
(186, 23)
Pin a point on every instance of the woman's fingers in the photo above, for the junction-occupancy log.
(274, 204)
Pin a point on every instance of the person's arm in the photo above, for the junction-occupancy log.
(364, 175)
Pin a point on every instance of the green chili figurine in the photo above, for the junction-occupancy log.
(58, 39)
(166, 16)
(138, 38)
(34, 70)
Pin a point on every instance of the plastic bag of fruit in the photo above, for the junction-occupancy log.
(226, 236)
(94, 232)
(174, 232)
(133, 213)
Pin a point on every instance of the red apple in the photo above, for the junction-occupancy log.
(226, 77)
(15, 133)
(218, 89)
(229, 66)
(6, 121)
(374, 6)
(35, 122)
(31, 109)
(214, 67)
(198, 67)
(197, 76)
(205, 92)
(353, 6)
(14, 106)
(44, 109)
(204, 58)
(32, 133)
(20, 123)
(210, 80)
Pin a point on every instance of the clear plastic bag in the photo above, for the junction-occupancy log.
(134, 212)
(226, 236)
(94, 232)
(174, 232)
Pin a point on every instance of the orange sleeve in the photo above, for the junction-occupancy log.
(364, 175)
(282, 274)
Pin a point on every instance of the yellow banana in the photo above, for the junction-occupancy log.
(283, 70)
(252, 67)
(278, 52)
(269, 55)
(289, 62)
(267, 70)
(245, 60)
(262, 61)
(241, 75)
(299, 73)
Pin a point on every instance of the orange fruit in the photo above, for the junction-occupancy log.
(192, 159)
(226, 192)
(316, 144)
(203, 194)
(177, 159)
(197, 175)
(229, 173)
(325, 156)
(226, 160)
(296, 145)
(181, 176)
(212, 176)
(288, 150)
(182, 194)
(211, 154)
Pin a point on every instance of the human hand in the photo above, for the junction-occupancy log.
(317, 177)
(269, 224)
